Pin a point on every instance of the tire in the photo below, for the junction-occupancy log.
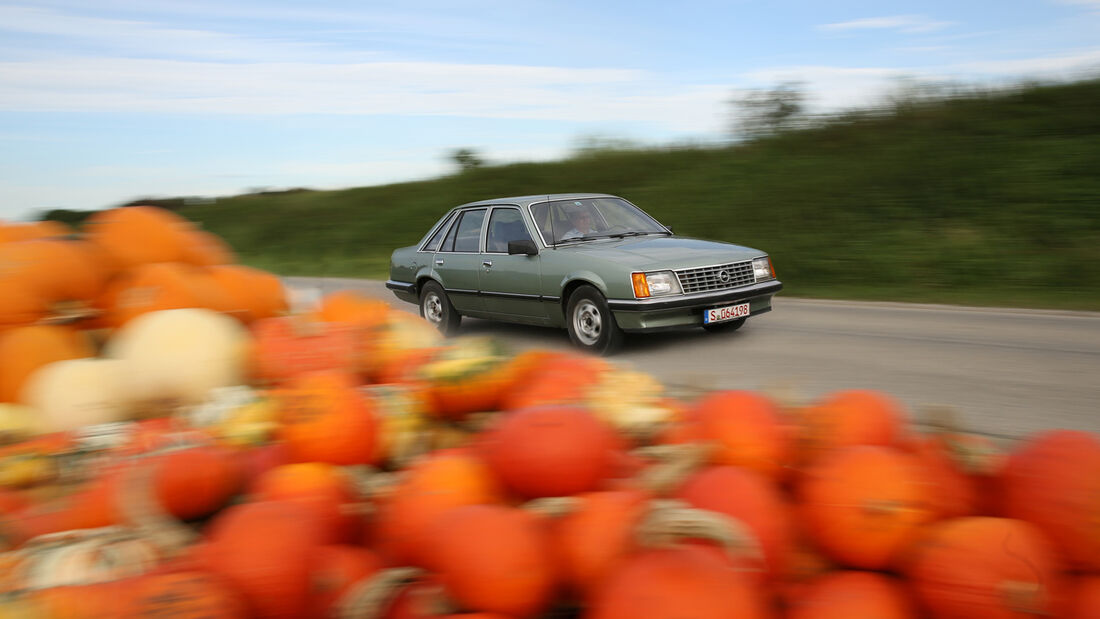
(590, 323)
(436, 308)
(726, 327)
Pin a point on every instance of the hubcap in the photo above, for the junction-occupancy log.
(433, 309)
(587, 322)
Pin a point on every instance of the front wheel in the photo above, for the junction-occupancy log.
(728, 326)
(590, 323)
(436, 308)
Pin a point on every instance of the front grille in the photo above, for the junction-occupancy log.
(705, 279)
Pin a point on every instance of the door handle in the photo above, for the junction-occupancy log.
(487, 263)
(439, 262)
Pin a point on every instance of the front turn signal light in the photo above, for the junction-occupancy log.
(641, 286)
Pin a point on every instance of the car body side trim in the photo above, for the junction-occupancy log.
(503, 295)
(695, 300)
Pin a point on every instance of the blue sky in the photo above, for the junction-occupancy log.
(108, 101)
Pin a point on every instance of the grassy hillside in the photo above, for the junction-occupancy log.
(990, 199)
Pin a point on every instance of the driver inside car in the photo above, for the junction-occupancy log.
(582, 224)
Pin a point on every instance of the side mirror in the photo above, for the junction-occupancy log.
(526, 246)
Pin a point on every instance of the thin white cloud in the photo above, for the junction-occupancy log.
(405, 88)
(143, 37)
(902, 23)
(833, 88)
(1068, 65)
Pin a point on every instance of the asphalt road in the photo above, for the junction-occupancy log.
(1007, 372)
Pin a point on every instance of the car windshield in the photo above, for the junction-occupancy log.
(582, 219)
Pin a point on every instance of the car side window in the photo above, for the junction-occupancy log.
(437, 238)
(505, 224)
(465, 236)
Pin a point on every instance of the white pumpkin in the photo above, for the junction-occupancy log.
(78, 392)
(179, 355)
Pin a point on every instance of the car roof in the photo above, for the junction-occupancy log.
(545, 197)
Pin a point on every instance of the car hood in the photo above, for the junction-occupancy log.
(662, 252)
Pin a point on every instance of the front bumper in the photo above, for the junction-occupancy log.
(687, 310)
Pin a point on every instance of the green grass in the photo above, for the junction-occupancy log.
(988, 199)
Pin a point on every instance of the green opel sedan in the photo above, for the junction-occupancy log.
(594, 264)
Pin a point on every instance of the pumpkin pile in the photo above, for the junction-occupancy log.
(175, 442)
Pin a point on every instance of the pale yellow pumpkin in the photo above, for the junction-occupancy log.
(78, 392)
(177, 356)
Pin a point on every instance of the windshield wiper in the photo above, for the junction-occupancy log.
(621, 235)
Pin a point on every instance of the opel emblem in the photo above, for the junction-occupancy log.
(724, 276)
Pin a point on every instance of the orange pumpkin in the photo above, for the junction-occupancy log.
(428, 488)
(20, 304)
(266, 552)
(324, 489)
(197, 480)
(253, 294)
(559, 379)
(953, 493)
(1053, 482)
(551, 451)
(205, 249)
(136, 235)
(677, 582)
(152, 287)
(847, 594)
(751, 499)
(186, 594)
(337, 568)
(25, 349)
(59, 270)
(1084, 598)
(366, 315)
(469, 375)
(985, 568)
(493, 558)
(14, 232)
(862, 505)
(324, 418)
(287, 346)
(746, 428)
(846, 418)
(400, 338)
(593, 540)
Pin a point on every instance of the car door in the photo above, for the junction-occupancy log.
(510, 284)
(458, 259)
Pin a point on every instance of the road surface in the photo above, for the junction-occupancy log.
(1007, 372)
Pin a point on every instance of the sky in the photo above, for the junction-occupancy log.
(115, 100)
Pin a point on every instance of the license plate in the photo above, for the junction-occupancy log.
(722, 314)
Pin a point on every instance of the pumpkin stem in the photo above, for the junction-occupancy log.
(553, 506)
(675, 463)
(669, 521)
(942, 419)
(369, 598)
(140, 509)
(370, 483)
(1023, 597)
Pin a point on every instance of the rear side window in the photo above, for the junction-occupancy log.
(466, 234)
(437, 238)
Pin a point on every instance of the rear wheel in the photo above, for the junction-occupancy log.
(590, 323)
(436, 308)
(725, 327)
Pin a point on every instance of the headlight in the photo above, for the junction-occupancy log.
(655, 284)
(762, 269)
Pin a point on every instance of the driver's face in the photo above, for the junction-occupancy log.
(582, 221)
